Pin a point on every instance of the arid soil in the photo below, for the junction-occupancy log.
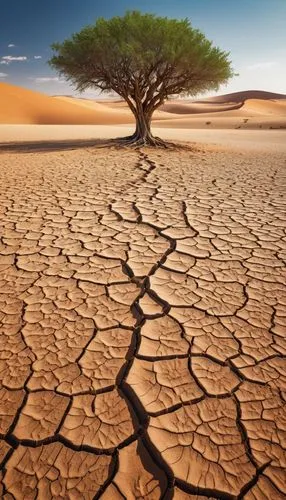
(143, 312)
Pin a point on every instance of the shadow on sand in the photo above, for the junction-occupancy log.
(54, 145)
(71, 144)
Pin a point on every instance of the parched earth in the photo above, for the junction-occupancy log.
(143, 312)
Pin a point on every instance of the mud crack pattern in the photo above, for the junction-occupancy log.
(143, 321)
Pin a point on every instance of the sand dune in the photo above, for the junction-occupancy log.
(260, 106)
(179, 107)
(238, 110)
(99, 107)
(110, 103)
(19, 105)
(252, 114)
(120, 108)
(243, 96)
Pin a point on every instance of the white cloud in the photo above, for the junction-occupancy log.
(3, 75)
(44, 79)
(11, 45)
(37, 57)
(9, 59)
(15, 58)
(262, 65)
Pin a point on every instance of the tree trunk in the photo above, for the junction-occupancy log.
(143, 129)
(143, 135)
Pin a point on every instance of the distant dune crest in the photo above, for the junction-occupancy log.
(243, 96)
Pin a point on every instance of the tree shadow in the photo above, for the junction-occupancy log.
(53, 145)
(72, 144)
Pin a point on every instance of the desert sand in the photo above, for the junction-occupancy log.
(142, 311)
(254, 111)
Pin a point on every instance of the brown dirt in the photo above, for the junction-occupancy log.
(142, 311)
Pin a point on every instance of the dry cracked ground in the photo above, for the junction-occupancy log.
(143, 313)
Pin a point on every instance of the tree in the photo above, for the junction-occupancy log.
(144, 59)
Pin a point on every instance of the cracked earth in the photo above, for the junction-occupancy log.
(143, 313)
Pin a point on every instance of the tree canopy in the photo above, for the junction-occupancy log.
(144, 59)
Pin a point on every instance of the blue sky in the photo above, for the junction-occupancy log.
(253, 31)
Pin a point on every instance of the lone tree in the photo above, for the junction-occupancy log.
(144, 59)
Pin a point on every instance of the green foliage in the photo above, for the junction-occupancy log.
(143, 58)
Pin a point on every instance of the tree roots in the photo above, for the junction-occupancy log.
(135, 141)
